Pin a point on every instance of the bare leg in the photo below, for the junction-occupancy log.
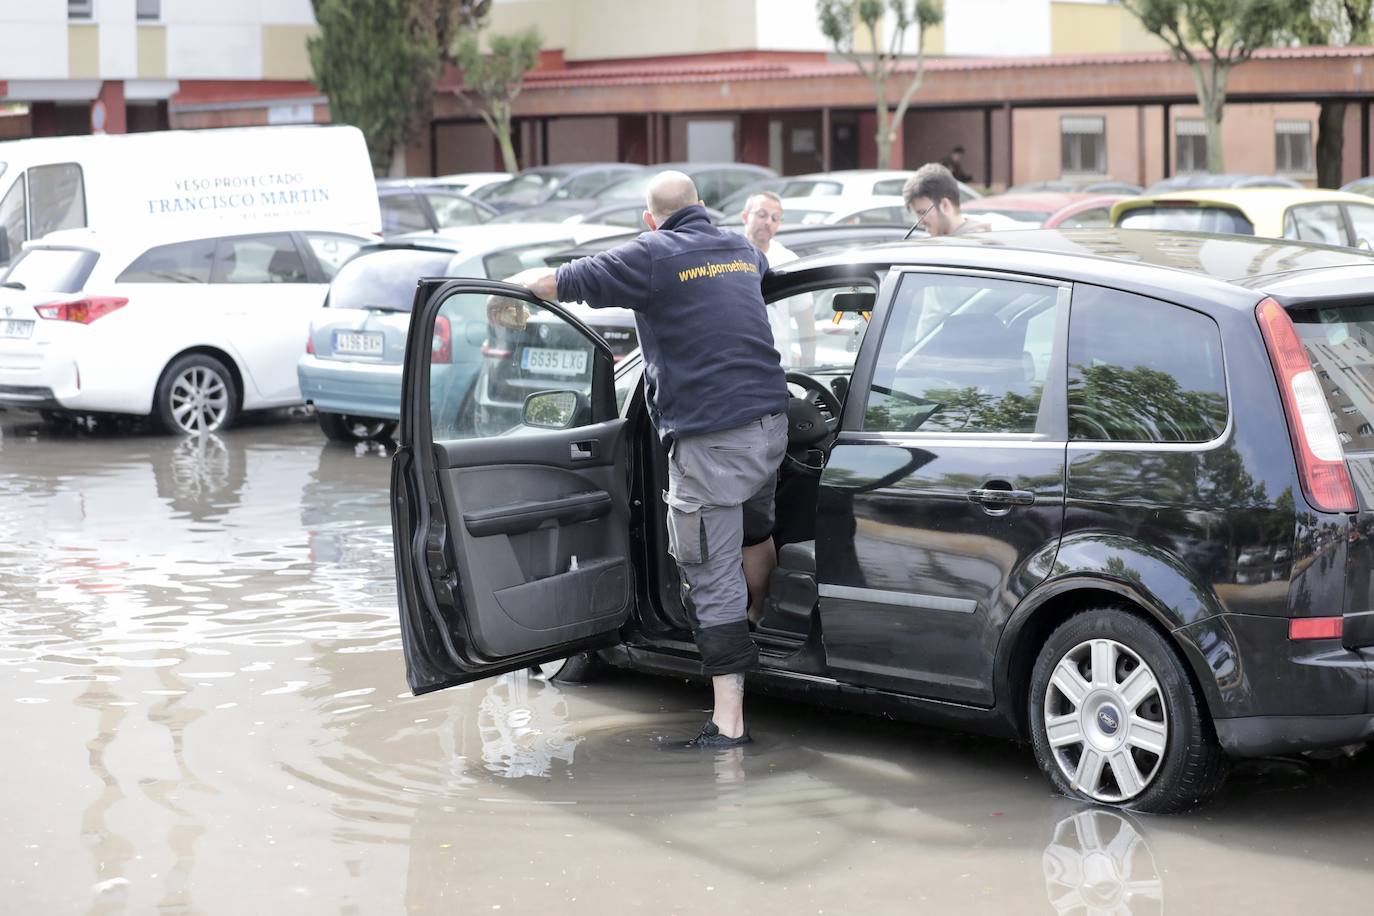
(729, 712)
(759, 561)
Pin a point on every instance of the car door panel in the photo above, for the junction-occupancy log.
(512, 545)
(928, 540)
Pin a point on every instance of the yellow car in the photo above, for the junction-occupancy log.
(1329, 217)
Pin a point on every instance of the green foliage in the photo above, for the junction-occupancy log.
(838, 20)
(492, 81)
(377, 61)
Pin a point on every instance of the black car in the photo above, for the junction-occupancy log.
(1107, 492)
(1195, 181)
(546, 183)
(415, 207)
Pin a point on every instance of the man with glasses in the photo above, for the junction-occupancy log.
(932, 195)
(793, 320)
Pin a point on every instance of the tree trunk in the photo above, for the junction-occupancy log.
(1216, 156)
(503, 139)
(397, 169)
(1331, 145)
(883, 137)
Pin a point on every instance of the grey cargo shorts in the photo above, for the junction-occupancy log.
(720, 497)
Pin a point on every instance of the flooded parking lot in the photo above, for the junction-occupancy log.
(203, 699)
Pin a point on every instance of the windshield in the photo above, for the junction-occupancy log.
(526, 188)
(59, 270)
(632, 188)
(385, 279)
(1188, 219)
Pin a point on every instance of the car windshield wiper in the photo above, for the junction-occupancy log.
(13, 284)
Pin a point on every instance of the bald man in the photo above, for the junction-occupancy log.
(718, 399)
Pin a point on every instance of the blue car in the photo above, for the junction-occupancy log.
(351, 370)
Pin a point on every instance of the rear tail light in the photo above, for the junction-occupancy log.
(1321, 463)
(1316, 628)
(82, 311)
(310, 344)
(443, 341)
(491, 351)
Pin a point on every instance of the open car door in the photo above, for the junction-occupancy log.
(508, 488)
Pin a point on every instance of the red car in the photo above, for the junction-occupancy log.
(1049, 209)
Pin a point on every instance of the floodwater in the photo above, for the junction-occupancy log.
(203, 710)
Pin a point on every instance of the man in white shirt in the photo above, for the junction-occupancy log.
(793, 320)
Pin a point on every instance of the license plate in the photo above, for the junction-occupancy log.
(554, 362)
(15, 327)
(358, 343)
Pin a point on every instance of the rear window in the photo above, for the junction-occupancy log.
(1142, 370)
(1188, 219)
(385, 279)
(1340, 344)
(183, 262)
(58, 270)
(811, 188)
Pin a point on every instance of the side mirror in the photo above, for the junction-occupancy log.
(854, 302)
(554, 409)
(1363, 243)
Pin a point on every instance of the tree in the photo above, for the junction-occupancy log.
(492, 81)
(839, 20)
(1212, 37)
(1335, 23)
(377, 61)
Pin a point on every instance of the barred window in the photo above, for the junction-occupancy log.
(1190, 144)
(1083, 145)
(1293, 147)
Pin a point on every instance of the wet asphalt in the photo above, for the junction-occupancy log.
(204, 710)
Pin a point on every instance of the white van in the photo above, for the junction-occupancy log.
(187, 182)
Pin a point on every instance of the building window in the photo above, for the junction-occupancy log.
(1293, 147)
(1190, 142)
(1083, 145)
(79, 9)
(149, 10)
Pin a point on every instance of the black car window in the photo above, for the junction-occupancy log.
(1315, 223)
(1141, 370)
(183, 262)
(259, 259)
(385, 280)
(402, 213)
(963, 355)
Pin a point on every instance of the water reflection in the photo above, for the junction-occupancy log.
(1098, 864)
(523, 723)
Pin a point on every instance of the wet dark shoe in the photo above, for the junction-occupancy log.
(711, 738)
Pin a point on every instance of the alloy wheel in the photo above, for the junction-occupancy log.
(1106, 721)
(199, 400)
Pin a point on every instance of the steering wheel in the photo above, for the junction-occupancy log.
(812, 421)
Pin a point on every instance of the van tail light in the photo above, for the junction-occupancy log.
(1316, 628)
(82, 311)
(310, 344)
(443, 341)
(1321, 463)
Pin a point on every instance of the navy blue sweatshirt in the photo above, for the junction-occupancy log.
(708, 348)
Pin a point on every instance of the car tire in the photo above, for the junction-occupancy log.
(1115, 719)
(575, 669)
(343, 427)
(196, 395)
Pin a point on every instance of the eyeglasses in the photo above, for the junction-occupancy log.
(768, 216)
(925, 213)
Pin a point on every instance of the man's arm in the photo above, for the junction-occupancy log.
(538, 280)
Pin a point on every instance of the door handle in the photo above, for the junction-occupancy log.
(583, 451)
(1001, 498)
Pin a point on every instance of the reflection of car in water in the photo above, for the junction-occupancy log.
(1098, 863)
(991, 512)
(523, 724)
